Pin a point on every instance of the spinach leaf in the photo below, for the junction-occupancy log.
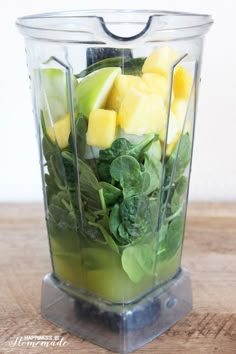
(131, 265)
(115, 220)
(175, 201)
(104, 171)
(174, 235)
(104, 63)
(162, 232)
(170, 238)
(119, 147)
(180, 157)
(122, 146)
(89, 231)
(55, 179)
(179, 189)
(146, 182)
(61, 210)
(81, 126)
(161, 246)
(110, 192)
(133, 66)
(158, 241)
(106, 236)
(89, 185)
(128, 66)
(51, 187)
(136, 218)
(182, 185)
(137, 261)
(145, 256)
(154, 211)
(87, 176)
(91, 192)
(152, 169)
(70, 173)
(56, 170)
(126, 170)
(137, 150)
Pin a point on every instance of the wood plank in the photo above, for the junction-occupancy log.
(209, 254)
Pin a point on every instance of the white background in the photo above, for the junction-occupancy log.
(214, 164)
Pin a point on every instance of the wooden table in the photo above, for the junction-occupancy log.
(209, 254)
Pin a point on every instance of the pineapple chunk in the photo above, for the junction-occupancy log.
(157, 84)
(174, 132)
(101, 128)
(170, 147)
(141, 113)
(122, 84)
(160, 61)
(179, 108)
(182, 83)
(60, 132)
(173, 129)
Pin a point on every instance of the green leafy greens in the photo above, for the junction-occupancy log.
(118, 200)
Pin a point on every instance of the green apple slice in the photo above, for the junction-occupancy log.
(93, 90)
(54, 94)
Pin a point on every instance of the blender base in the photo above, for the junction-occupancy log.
(120, 328)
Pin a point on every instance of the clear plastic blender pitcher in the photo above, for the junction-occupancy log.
(114, 97)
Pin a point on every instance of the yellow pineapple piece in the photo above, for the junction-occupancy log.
(122, 84)
(51, 134)
(174, 133)
(60, 132)
(173, 129)
(179, 108)
(157, 84)
(160, 61)
(142, 113)
(101, 128)
(170, 147)
(182, 83)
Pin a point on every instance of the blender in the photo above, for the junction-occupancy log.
(114, 98)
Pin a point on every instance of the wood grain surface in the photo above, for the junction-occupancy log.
(209, 254)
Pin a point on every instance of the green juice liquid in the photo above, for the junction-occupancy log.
(99, 270)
